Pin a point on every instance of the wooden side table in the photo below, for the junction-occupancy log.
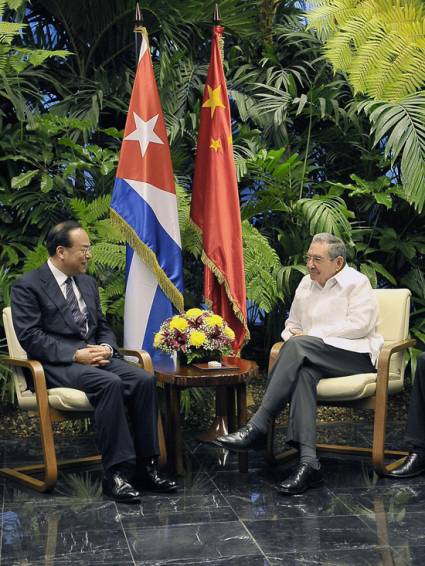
(231, 382)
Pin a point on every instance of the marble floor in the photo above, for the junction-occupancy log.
(219, 516)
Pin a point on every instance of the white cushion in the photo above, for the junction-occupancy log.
(60, 398)
(352, 387)
(67, 399)
(394, 310)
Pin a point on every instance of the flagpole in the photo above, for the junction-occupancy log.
(147, 219)
(224, 403)
(216, 20)
(138, 31)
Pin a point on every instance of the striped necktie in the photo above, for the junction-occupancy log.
(71, 299)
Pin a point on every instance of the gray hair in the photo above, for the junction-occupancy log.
(336, 246)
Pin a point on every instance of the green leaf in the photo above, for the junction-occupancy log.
(403, 123)
(14, 4)
(38, 56)
(326, 214)
(24, 179)
(370, 273)
(385, 199)
(46, 183)
(379, 268)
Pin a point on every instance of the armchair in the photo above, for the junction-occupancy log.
(367, 391)
(52, 405)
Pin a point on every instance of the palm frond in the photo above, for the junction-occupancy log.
(326, 214)
(402, 126)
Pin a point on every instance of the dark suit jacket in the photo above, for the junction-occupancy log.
(44, 323)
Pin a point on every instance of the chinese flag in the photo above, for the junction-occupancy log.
(215, 203)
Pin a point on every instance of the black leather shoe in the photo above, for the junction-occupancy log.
(247, 437)
(301, 479)
(116, 486)
(147, 477)
(413, 465)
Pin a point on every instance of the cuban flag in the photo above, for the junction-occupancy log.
(144, 207)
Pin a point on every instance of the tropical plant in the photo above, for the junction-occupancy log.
(402, 125)
(379, 45)
(305, 158)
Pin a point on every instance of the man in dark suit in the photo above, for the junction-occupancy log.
(414, 463)
(58, 320)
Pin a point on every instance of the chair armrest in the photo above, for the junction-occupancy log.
(143, 358)
(385, 354)
(38, 377)
(384, 366)
(274, 352)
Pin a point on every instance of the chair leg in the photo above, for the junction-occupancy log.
(162, 443)
(271, 457)
(378, 447)
(49, 466)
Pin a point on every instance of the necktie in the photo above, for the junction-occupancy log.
(71, 299)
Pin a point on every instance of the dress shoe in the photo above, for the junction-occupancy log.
(116, 486)
(148, 477)
(413, 465)
(302, 478)
(247, 437)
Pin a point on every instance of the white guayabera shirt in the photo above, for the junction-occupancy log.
(344, 312)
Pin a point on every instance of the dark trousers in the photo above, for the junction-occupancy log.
(112, 390)
(302, 362)
(415, 431)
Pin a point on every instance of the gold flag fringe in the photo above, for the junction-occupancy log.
(223, 281)
(149, 258)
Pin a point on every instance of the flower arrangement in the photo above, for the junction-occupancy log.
(199, 334)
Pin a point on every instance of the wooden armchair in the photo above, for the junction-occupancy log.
(367, 391)
(52, 405)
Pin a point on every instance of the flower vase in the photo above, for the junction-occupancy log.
(201, 356)
(181, 359)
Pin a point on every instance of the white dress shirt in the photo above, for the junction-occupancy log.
(344, 312)
(61, 281)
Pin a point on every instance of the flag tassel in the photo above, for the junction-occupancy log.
(148, 257)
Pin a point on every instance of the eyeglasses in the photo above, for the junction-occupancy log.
(317, 259)
(86, 250)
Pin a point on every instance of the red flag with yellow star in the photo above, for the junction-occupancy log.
(215, 206)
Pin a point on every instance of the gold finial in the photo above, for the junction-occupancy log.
(217, 22)
(216, 16)
(139, 28)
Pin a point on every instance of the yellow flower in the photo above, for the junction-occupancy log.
(157, 339)
(179, 323)
(197, 338)
(193, 313)
(229, 333)
(213, 320)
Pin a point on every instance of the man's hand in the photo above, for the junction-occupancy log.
(93, 355)
(296, 332)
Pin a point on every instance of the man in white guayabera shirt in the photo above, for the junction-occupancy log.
(330, 332)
